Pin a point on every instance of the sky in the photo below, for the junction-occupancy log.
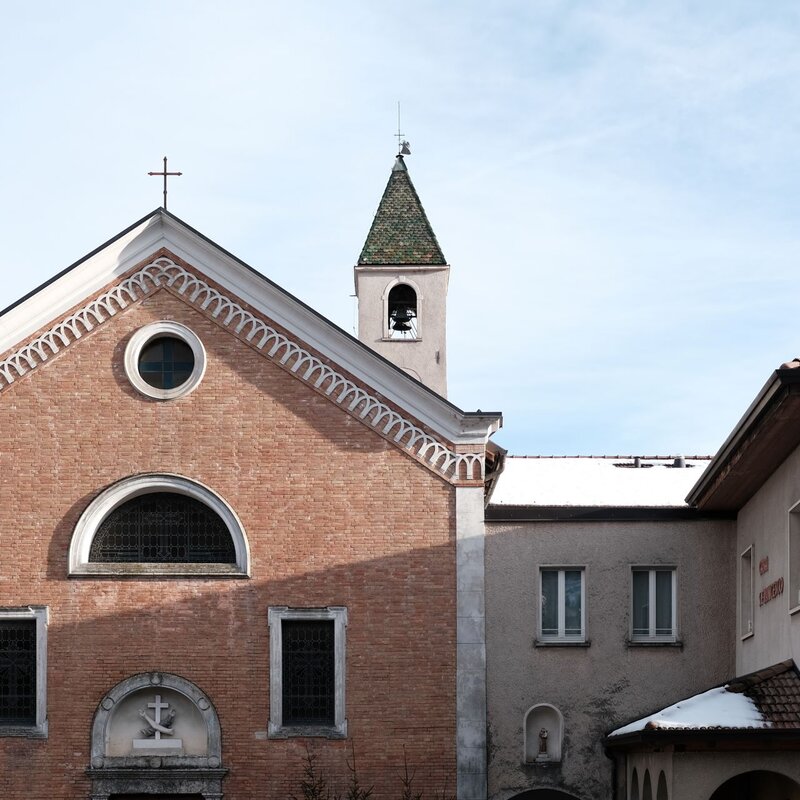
(614, 184)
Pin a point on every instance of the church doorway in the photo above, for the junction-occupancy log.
(758, 785)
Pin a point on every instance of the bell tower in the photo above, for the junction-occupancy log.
(401, 285)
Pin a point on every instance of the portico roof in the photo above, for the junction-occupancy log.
(759, 705)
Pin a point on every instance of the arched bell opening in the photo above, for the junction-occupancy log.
(402, 312)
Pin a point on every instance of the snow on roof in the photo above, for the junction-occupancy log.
(716, 708)
(596, 481)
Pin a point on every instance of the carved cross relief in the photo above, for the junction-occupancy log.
(157, 726)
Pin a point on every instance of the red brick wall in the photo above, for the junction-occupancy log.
(334, 515)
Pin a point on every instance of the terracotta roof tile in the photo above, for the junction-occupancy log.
(776, 693)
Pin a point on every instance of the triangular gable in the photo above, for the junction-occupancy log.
(424, 425)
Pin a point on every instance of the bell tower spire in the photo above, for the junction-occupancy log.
(401, 284)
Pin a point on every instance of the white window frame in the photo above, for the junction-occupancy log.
(746, 604)
(40, 615)
(128, 488)
(561, 636)
(651, 635)
(793, 558)
(155, 330)
(276, 616)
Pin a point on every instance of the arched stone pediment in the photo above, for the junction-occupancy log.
(156, 733)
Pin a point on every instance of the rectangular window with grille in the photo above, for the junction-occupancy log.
(307, 666)
(308, 672)
(23, 671)
(18, 681)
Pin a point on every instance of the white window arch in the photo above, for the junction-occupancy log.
(120, 493)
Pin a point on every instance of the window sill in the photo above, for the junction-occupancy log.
(143, 570)
(561, 643)
(24, 731)
(654, 643)
(747, 636)
(401, 339)
(321, 731)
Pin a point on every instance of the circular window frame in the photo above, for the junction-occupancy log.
(145, 335)
(128, 488)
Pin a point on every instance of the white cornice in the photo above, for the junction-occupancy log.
(162, 230)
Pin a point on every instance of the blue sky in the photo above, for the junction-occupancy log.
(613, 183)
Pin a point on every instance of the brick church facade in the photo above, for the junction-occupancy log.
(234, 536)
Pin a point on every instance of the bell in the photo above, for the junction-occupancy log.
(401, 317)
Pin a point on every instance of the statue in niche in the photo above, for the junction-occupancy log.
(542, 755)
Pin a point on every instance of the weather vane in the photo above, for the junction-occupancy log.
(165, 173)
(403, 148)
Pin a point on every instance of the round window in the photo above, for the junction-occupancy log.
(164, 360)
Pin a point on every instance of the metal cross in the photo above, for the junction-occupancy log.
(165, 173)
(403, 148)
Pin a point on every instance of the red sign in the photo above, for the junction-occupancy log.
(770, 592)
(763, 565)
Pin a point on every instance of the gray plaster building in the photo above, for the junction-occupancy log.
(641, 619)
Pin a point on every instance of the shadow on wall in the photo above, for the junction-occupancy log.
(214, 632)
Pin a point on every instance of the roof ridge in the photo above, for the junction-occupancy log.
(743, 683)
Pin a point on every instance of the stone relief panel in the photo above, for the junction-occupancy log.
(156, 734)
(156, 722)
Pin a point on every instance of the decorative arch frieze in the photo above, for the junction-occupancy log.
(163, 272)
(131, 755)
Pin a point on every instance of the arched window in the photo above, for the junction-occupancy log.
(158, 524)
(402, 312)
(647, 789)
(634, 795)
(163, 527)
(662, 793)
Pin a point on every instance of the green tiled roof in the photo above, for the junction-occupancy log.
(400, 232)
